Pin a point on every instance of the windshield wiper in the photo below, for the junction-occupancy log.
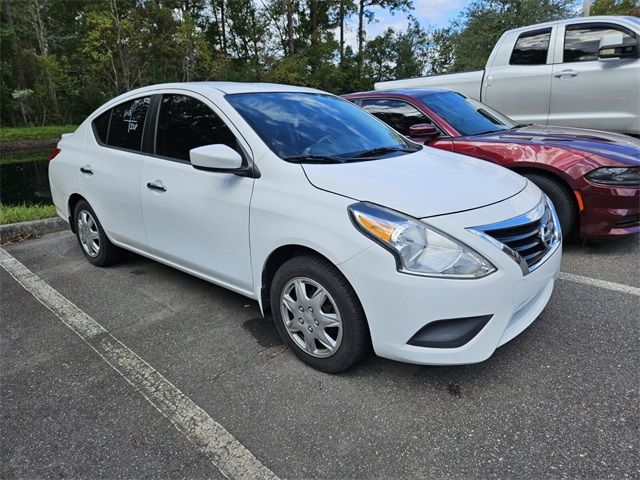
(376, 152)
(313, 159)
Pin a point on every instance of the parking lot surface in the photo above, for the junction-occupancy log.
(560, 400)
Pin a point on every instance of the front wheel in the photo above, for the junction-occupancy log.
(561, 198)
(318, 314)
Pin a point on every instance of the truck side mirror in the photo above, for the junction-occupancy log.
(612, 46)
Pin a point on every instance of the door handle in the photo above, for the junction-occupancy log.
(86, 170)
(566, 73)
(157, 186)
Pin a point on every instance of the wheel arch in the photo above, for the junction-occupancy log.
(74, 198)
(561, 181)
(273, 262)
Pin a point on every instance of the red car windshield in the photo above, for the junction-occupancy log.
(466, 115)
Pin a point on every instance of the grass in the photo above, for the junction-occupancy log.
(12, 134)
(23, 157)
(24, 213)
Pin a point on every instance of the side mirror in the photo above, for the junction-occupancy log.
(612, 46)
(216, 158)
(425, 131)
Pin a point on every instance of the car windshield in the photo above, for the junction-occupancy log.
(466, 115)
(319, 128)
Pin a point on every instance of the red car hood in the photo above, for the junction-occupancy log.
(615, 146)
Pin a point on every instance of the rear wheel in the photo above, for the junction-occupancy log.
(94, 242)
(561, 198)
(318, 314)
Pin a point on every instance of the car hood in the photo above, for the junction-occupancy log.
(422, 184)
(615, 146)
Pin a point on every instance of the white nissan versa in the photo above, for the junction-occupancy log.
(352, 236)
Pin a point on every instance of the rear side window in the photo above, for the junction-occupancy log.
(581, 41)
(531, 48)
(127, 124)
(395, 113)
(101, 126)
(185, 123)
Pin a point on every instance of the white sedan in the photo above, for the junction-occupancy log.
(350, 235)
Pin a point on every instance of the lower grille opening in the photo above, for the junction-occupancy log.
(629, 221)
(450, 333)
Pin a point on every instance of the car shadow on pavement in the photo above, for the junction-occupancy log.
(629, 244)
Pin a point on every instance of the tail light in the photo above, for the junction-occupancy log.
(53, 153)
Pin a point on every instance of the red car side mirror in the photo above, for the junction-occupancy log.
(423, 131)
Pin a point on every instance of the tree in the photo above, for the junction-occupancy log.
(615, 7)
(364, 11)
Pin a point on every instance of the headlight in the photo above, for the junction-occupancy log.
(615, 175)
(419, 249)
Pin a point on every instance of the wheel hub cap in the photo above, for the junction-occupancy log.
(88, 233)
(311, 317)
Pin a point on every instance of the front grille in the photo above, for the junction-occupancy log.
(628, 221)
(528, 238)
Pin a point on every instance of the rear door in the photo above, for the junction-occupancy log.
(518, 83)
(589, 93)
(195, 219)
(111, 171)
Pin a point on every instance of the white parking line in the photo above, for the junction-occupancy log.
(225, 452)
(596, 282)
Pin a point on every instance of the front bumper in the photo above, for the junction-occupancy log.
(398, 305)
(609, 211)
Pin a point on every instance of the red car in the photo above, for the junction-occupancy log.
(592, 177)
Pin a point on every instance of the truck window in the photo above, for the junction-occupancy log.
(581, 41)
(531, 48)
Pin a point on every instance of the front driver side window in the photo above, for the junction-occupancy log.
(185, 123)
(395, 113)
(581, 41)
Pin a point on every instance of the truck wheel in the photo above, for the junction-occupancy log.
(561, 198)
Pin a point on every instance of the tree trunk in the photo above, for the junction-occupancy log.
(341, 16)
(290, 26)
(360, 29)
(224, 31)
(313, 11)
(16, 59)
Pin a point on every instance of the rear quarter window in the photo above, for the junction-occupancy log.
(127, 124)
(101, 126)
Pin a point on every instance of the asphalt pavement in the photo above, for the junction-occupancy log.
(561, 400)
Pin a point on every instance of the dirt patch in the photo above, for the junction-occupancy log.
(27, 146)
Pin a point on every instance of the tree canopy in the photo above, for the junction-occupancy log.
(60, 59)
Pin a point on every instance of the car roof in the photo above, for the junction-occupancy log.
(227, 87)
(410, 92)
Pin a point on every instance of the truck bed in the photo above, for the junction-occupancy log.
(467, 83)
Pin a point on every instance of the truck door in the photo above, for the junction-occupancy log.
(591, 93)
(518, 81)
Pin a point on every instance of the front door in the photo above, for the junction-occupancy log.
(589, 93)
(196, 219)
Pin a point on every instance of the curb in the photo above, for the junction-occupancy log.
(14, 231)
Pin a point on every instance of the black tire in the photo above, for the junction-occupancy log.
(356, 340)
(108, 253)
(561, 198)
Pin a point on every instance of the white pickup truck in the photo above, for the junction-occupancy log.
(581, 72)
